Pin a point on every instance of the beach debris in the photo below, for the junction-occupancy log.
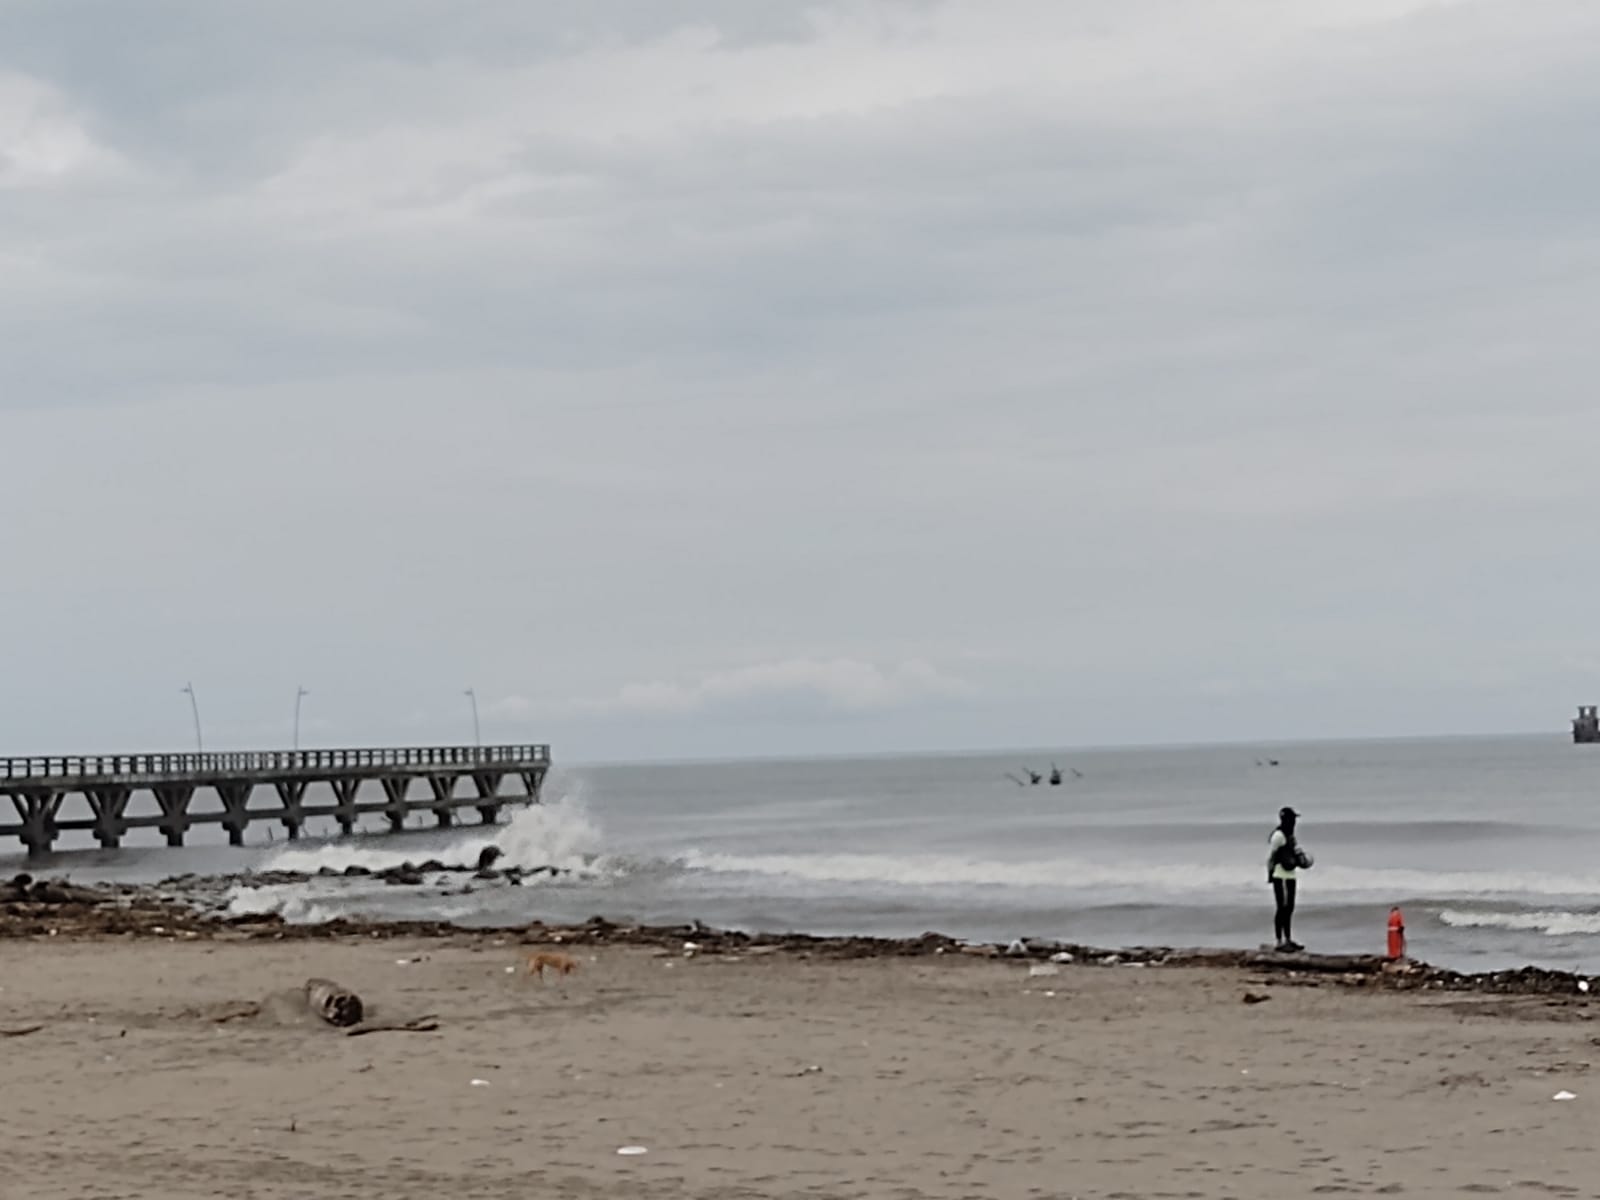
(1017, 948)
(630, 1151)
(1062, 956)
(23, 1031)
(1583, 985)
(813, 1069)
(333, 1002)
(1043, 969)
(425, 1024)
(1564, 1095)
(480, 1083)
(239, 1010)
(1255, 998)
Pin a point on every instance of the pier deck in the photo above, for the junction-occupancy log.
(39, 787)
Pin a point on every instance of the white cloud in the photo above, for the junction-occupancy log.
(41, 141)
(841, 684)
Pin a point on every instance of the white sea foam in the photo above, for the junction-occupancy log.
(1553, 923)
(1071, 874)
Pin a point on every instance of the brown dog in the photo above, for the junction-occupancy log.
(549, 960)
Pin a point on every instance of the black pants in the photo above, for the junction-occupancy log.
(1283, 918)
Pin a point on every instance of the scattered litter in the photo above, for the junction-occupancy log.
(813, 1069)
(1049, 993)
(480, 1083)
(1583, 985)
(1016, 947)
(1043, 969)
(1255, 998)
(632, 1150)
(1061, 956)
(690, 947)
(511, 970)
(1564, 1096)
(670, 965)
(24, 1031)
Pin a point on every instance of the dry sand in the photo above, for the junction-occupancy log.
(768, 1076)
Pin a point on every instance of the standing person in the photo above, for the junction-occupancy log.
(1283, 856)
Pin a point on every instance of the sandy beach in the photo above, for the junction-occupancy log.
(767, 1075)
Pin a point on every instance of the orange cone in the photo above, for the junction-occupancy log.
(1397, 935)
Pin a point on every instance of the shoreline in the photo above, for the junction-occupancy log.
(186, 908)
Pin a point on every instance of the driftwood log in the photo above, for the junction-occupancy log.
(334, 1003)
(416, 1025)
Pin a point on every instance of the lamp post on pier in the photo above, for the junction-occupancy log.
(477, 734)
(194, 706)
(300, 694)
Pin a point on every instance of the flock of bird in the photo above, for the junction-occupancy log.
(1035, 778)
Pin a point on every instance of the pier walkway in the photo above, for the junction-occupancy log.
(112, 785)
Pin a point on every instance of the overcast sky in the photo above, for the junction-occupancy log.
(757, 376)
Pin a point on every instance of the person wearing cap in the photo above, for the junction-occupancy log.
(1282, 859)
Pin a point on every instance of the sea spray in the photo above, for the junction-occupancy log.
(558, 833)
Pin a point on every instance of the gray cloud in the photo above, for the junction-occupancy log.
(1232, 356)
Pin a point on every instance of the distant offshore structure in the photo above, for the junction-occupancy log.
(1586, 725)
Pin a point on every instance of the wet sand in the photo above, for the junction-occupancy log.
(756, 1075)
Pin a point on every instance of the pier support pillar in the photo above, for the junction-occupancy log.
(174, 800)
(37, 811)
(444, 787)
(531, 781)
(292, 792)
(488, 785)
(235, 799)
(394, 808)
(344, 809)
(108, 805)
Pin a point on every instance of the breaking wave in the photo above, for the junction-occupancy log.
(558, 833)
(1066, 874)
(1552, 923)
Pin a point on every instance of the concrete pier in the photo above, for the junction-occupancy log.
(219, 789)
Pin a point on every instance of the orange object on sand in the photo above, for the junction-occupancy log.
(1397, 934)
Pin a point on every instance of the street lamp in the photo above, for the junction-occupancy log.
(477, 734)
(299, 694)
(194, 705)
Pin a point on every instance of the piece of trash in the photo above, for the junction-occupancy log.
(1016, 947)
(1564, 1096)
(632, 1150)
(690, 947)
(1049, 993)
(1255, 998)
(1583, 985)
(813, 1069)
(480, 1083)
(1111, 960)
(1061, 957)
(1043, 969)
(511, 970)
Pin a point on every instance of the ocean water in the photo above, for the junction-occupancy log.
(1490, 846)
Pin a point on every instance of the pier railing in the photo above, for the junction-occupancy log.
(80, 768)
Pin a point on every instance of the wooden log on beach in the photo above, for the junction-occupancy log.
(334, 1003)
